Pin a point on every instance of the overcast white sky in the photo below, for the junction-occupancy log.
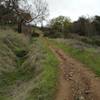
(74, 8)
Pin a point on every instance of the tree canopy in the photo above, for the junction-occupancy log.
(60, 23)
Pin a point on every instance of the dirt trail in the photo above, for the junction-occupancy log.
(76, 82)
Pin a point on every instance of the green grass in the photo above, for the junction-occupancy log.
(28, 69)
(87, 55)
(17, 66)
(47, 85)
(11, 45)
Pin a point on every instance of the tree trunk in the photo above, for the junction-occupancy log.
(19, 27)
(42, 24)
(20, 23)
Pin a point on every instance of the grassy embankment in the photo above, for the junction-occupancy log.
(47, 86)
(27, 71)
(86, 53)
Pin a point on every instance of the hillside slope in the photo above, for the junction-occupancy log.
(26, 71)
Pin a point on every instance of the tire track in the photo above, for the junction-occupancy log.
(76, 82)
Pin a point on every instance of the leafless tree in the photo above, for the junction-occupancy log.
(28, 10)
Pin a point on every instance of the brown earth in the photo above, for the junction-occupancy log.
(76, 82)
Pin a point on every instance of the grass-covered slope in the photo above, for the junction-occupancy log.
(13, 48)
(46, 87)
(28, 71)
(11, 45)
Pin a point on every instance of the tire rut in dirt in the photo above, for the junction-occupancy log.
(80, 82)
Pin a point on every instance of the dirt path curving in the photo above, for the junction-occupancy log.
(76, 82)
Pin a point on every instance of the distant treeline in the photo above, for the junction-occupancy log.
(61, 26)
(11, 14)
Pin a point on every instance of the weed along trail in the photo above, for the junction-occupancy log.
(76, 82)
